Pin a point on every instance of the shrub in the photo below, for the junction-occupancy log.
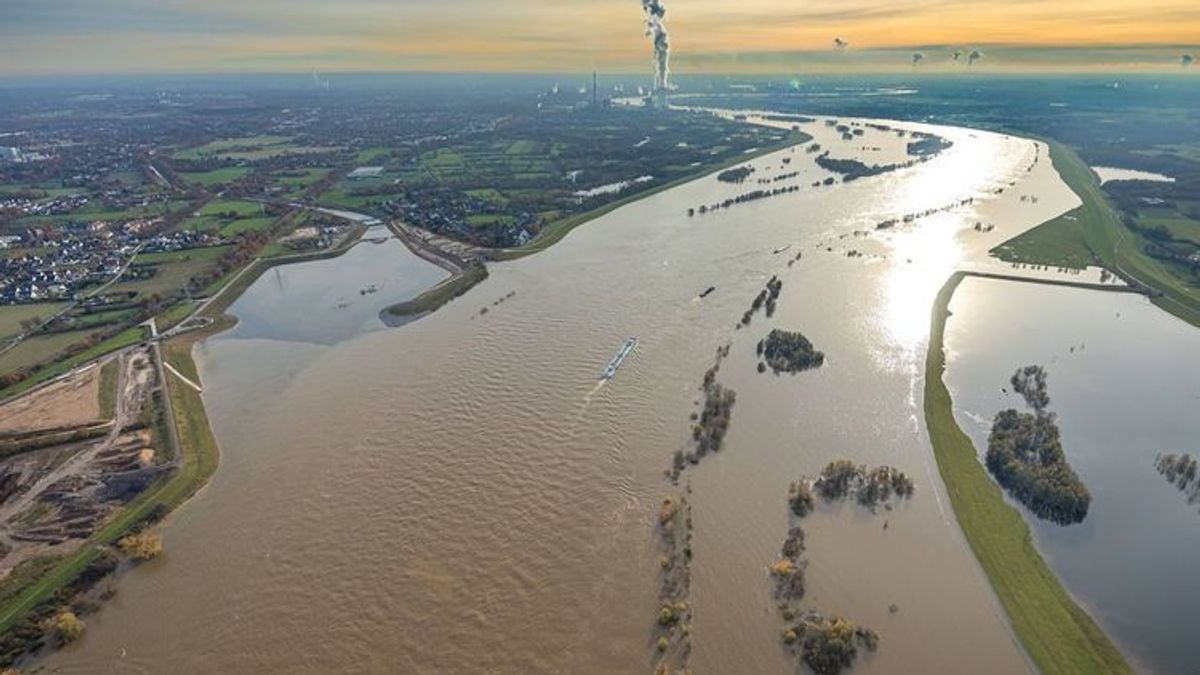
(800, 498)
(667, 511)
(783, 568)
(141, 546)
(67, 627)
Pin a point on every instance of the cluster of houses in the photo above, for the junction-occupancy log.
(18, 156)
(61, 261)
(446, 213)
(21, 206)
(57, 270)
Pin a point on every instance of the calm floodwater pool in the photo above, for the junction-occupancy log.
(1124, 379)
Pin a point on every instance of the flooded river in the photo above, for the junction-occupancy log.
(1125, 382)
(463, 494)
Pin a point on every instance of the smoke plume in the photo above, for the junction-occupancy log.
(656, 30)
(1187, 60)
(974, 56)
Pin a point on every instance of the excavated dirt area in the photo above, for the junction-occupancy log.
(72, 401)
(53, 498)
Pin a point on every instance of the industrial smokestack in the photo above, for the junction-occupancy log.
(956, 56)
(917, 58)
(974, 56)
(656, 30)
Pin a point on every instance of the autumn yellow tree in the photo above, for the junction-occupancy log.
(141, 546)
(67, 626)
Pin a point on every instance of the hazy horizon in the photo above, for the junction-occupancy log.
(530, 36)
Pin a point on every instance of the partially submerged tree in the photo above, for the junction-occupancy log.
(67, 627)
(141, 546)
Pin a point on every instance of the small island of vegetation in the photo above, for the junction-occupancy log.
(788, 352)
(927, 144)
(842, 478)
(711, 422)
(673, 621)
(1030, 382)
(735, 175)
(1182, 472)
(922, 150)
(766, 298)
(827, 645)
(1026, 456)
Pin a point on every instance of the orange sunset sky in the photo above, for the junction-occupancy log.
(85, 36)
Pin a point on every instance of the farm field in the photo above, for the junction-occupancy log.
(216, 176)
(172, 271)
(249, 148)
(11, 316)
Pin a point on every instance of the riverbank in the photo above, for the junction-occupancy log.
(462, 261)
(1056, 632)
(1094, 234)
(435, 297)
(189, 433)
(466, 273)
(559, 229)
(197, 462)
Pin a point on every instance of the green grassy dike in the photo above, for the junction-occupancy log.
(440, 294)
(1094, 234)
(1056, 632)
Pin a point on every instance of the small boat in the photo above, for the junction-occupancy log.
(611, 370)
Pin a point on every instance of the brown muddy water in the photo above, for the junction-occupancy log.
(463, 494)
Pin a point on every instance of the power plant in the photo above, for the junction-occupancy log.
(656, 30)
